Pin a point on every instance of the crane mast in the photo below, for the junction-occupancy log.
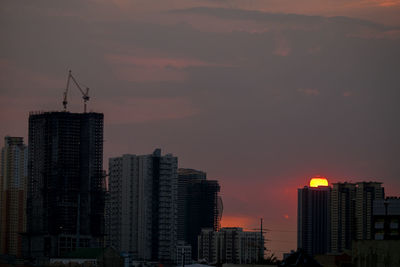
(85, 95)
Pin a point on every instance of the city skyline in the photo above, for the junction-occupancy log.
(261, 96)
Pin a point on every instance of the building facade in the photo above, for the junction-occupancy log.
(199, 206)
(185, 178)
(143, 206)
(313, 219)
(230, 245)
(386, 219)
(343, 197)
(203, 210)
(13, 182)
(366, 193)
(375, 253)
(65, 205)
(183, 254)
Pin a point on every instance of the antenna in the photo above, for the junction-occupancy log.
(85, 95)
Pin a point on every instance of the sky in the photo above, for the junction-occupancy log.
(260, 94)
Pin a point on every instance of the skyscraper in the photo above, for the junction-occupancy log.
(199, 206)
(143, 205)
(185, 178)
(343, 198)
(13, 176)
(313, 219)
(65, 192)
(366, 193)
(203, 210)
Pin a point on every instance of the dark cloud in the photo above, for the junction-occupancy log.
(240, 14)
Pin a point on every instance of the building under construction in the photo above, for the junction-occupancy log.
(65, 207)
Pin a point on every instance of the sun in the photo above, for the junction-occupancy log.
(318, 181)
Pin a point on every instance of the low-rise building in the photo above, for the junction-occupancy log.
(386, 219)
(93, 257)
(376, 253)
(230, 245)
(183, 254)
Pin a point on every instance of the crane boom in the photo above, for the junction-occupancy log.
(85, 95)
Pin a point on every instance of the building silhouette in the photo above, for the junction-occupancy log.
(313, 219)
(13, 177)
(351, 212)
(343, 202)
(203, 210)
(343, 212)
(185, 178)
(65, 206)
(199, 206)
(366, 193)
(386, 219)
(143, 206)
(230, 245)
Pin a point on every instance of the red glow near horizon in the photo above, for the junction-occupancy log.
(318, 181)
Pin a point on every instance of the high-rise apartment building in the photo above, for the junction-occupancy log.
(143, 205)
(343, 199)
(230, 245)
(13, 177)
(199, 206)
(313, 218)
(366, 193)
(203, 210)
(65, 207)
(185, 178)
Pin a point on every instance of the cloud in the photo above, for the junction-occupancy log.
(388, 3)
(347, 93)
(148, 74)
(154, 69)
(375, 34)
(160, 62)
(14, 77)
(309, 91)
(140, 110)
(282, 47)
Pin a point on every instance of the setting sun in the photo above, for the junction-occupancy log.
(318, 181)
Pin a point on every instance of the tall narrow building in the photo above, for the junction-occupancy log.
(199, 206)
(143, 206)
(366, 193)
(343, 199)
(65, 177)
(203, 210)
(13, 177)
(185, 178)
(313, 218)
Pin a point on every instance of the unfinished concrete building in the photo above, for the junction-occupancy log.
(65, 190)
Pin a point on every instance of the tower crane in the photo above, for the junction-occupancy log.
(85, 95)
